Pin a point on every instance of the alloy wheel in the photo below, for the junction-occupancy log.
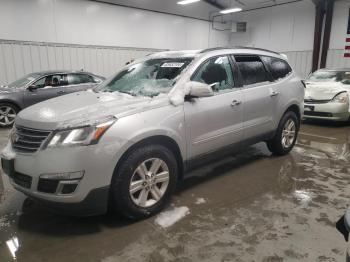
(7, 115)
(288, 133)
(149, 182)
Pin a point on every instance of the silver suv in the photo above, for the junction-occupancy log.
(126, 144)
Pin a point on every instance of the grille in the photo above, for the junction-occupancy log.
(22, 180)
(322, 114)
(28, 140)
(314, 101)
(47, 185)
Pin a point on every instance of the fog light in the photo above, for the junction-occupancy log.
(68, 188)
(64, 176)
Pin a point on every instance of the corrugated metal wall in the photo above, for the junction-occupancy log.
(18, 58)
(301, 61)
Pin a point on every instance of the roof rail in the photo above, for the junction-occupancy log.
(237, 47)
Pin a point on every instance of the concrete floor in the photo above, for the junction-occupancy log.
(256, 208)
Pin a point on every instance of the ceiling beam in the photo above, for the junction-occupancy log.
(215, 4)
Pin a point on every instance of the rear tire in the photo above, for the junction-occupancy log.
(286, 135)
(140, 186)
(8, 113)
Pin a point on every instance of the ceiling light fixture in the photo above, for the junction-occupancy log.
(186, 2)
(231, 10)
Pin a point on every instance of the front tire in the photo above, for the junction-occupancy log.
(286, 135)
(8, 113)
(144, 181)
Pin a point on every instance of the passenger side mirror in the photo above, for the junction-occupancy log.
(198, 89)
(32, 88)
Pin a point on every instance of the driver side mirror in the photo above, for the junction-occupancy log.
(32, 88)
(197, 89)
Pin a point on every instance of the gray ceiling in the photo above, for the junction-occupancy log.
(200, 10)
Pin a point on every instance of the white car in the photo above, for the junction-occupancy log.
(327, 95)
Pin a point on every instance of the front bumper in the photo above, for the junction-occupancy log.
(327, 111)
(90, 197)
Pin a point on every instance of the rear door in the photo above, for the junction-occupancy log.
(46, 87)
(258, 96)
(79, 82)
(214, 122)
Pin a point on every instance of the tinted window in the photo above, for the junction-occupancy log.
(76, 79)
(51, 81)
(216, 71)
(278, 67)
(252, 69)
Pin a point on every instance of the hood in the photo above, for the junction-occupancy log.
(83, 108)
(323, 90)
(6, 89)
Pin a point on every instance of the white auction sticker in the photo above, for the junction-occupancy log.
(176, 65)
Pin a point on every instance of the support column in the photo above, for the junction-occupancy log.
(327, 32)
(320, 8)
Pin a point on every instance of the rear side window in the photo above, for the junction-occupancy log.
(278, 67)
(76, 79)
(252, 69)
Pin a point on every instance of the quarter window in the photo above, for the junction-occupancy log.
(216, 72)
(278, 67)
(252, 70)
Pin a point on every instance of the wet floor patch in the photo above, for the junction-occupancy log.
(246, 207)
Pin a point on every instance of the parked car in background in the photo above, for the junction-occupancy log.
(37, 87)
(128, 143)
(327, 95)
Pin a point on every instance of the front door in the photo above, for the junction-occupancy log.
(214, 122)
(45, 88)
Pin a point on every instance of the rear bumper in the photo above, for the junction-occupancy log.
(327, 111)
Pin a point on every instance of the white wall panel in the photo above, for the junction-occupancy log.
(300, 61)
(335, 59)
(282, 28)
(92, 23)
(18, 58)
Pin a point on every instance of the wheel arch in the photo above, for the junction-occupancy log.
(163, 140)
(294, 108)
(8, 101)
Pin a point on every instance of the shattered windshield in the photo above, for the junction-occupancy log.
(331, 76)
(147, 78)
(24, 80)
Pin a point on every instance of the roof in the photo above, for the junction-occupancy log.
(47, 72)
(192, 53)
(334, 69)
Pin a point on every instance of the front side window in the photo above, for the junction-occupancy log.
(51, 81)
(216, 72)
(252, 69)
(147, 78)
(76, 79)
(278, 67)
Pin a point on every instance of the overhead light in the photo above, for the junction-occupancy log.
(231, 10)
(186, 2)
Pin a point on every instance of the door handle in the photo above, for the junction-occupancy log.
(60, 92)
(274, 93)
(235, 103)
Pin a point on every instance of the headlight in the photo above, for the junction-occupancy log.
(80, 136)
(341, 98)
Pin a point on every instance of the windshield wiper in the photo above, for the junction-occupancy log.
(126, 92)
